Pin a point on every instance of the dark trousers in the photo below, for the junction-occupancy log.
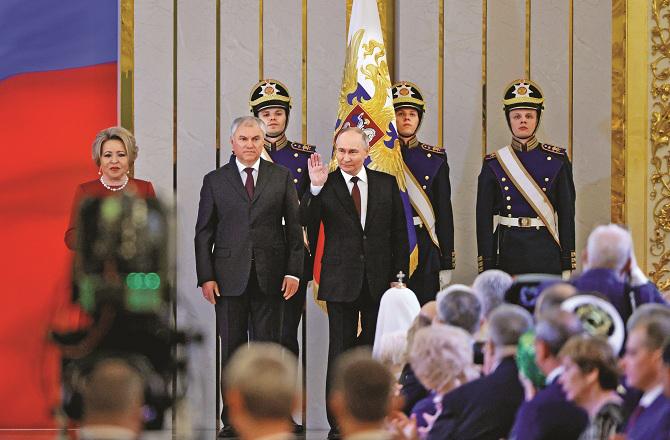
(253, 313)
(291, 313)
(424, 285)
(343, 332)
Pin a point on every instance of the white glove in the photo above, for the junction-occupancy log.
(445, 278)
(566, 274)
(637, 277)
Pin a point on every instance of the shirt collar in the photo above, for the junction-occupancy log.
(277, 145)
(277, 436)
(411, 143)
(649, 396)
(107, 431)
(369, 434)
(528, 146)
(553, 375)
(241, 166)
(362, 175)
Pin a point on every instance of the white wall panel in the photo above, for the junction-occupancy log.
(463, 126)
(325, 60)
(196, 154)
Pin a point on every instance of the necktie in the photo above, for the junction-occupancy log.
(632, 420)
(249, 184)
(356, 195)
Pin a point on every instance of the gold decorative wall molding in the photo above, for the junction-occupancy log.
(630, 123)
(659, 194)
(618, 163)
(127, 65)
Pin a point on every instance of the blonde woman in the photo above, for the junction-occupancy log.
(114, 152)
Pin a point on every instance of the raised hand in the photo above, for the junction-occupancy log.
(318, 171)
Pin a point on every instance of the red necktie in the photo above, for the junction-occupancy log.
(249, 184)
(356, 195)
(632, 420)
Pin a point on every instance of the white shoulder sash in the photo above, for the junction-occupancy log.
(529, 189)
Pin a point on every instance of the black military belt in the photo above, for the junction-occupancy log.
(522, 222)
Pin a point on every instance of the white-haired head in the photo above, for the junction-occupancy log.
(490, 287)
(608, 247)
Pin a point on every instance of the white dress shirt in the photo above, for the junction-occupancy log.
(243, 174)
(650, 396)
(362, 187)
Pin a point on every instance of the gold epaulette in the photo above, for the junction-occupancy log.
(305, 148)
(490, 156)
(431, 149)
(553, 149)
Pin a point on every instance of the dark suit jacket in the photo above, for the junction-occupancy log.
(351, 253)
(482, 409)
(548, 416)
(240, 229)
(653, 423)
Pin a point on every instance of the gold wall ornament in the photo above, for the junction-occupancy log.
(127, 65)
(660, 144)
(618, 160)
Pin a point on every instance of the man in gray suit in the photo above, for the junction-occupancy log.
(248, 242)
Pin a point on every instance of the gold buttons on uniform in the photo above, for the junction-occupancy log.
(506, 188)
(509, 215)
(548, 157)
(424, 186)
(509, 206)
(504, 179)
(509, 198)
(428, 155)
(295, 180)
(546, 179)
(544, 189)
(295, 154)
(427, 177)
(299, 170)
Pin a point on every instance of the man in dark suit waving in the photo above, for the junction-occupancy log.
(365, 241)
(245, 258)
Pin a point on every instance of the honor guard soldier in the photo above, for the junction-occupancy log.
(528, 188)
(429, 166)
(271, 102)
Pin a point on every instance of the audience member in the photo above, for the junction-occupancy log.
(610, 268)
(411, 389)
(392, 349)
(485, 408)
(549, 415)
(361, 396)
(458, 305)
(590, 379)
(261, 391)
(666, 368)
(441, 358)
(648, 328)
(552, 297)
(113, 397)
(490, 287)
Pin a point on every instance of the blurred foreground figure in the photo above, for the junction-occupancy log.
(261, 391)
(121, 280)
(113, 398)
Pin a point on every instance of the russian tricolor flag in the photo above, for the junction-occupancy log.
(58, 87)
